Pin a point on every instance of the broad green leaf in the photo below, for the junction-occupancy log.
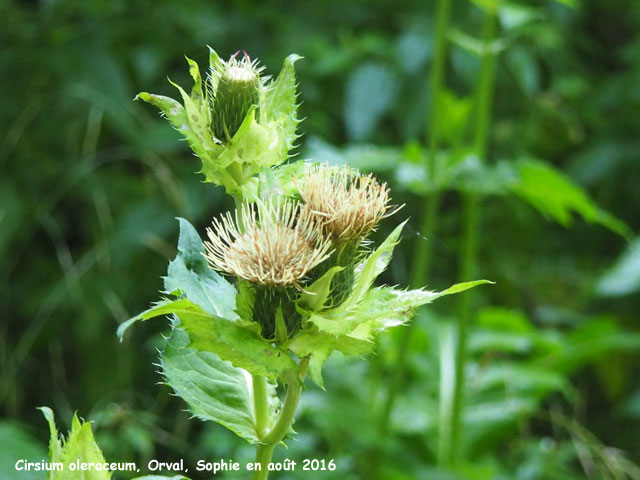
(243, 347)
(624, 277)
(190, 274)
(591, 342)
(214, 389)
(520, 379)
(79, 446)
(555, 195)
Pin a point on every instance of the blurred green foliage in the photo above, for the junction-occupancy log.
(90, 183)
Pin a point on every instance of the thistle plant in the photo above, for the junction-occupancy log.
(285, 279)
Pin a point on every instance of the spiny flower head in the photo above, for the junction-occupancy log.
(233, 89)
(272, 243)
(347, 204)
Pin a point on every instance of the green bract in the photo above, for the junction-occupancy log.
(236, 127)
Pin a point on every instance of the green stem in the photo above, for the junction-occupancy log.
(282, 426)
(263, 457)
(419, 273)
(429, 220)
(271, 439)
(450, 442)
(260, 404)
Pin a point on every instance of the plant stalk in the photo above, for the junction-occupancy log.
(260, 404)
(431, 205)
(449, 451)
(270, 440)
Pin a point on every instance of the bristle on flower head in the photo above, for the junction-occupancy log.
(345, 202)
(270, 244)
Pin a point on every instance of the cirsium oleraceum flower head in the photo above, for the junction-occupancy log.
(347, 204)
(273, 244)
(233, 89)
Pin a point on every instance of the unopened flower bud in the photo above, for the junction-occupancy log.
(238, 90)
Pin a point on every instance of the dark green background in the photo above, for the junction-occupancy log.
(90, 183)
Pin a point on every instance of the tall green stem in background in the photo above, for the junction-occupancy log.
(452, 402)
(429, 220)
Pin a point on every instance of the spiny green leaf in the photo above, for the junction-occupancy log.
(242, 346)
(196, 91)
(319, 346)
(190, 274)
(215, 63)
(353, 331)
(172, 110)
(80, 445)
(244, 302)
(163, 307)
(369, 269)
(214, 389)
(55, 446)
(280, 104)
(381, 308)
(197, 133)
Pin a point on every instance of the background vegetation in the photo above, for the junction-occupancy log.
(91, 183)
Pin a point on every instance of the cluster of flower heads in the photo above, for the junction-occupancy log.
(279, 243)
